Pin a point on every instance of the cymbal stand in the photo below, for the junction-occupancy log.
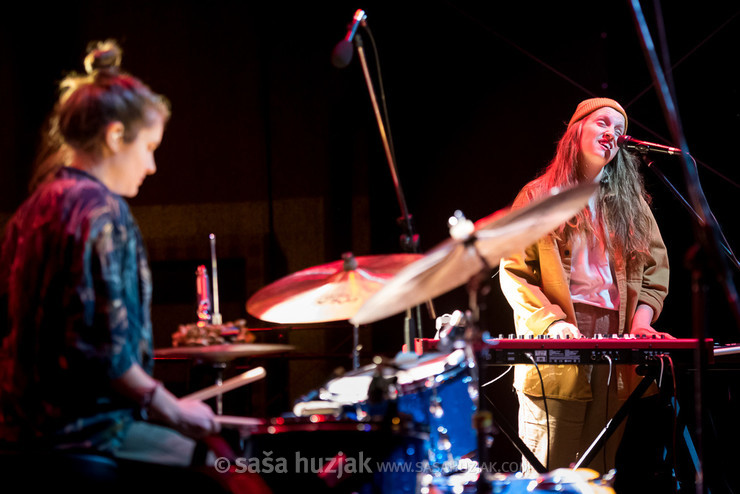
(219, 368)
(482, 419)
(216, 316)
(356, 347)
(215, 320)
(486, 422)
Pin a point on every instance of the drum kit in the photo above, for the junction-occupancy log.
(423, 409)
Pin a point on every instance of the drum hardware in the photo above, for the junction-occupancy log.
(218, 356)
(434, 392)
(216, 315)
(202, 291)
(467, 258)
(439, 393)
(209, 329)
(446, 322)
(451, 332)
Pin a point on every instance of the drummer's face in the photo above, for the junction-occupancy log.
(131, 162)
(598, 143)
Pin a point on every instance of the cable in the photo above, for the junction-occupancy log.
(674, 421)
(606, 404)
(544, 403)
(389, 134)
(730, 252)
(498, 377)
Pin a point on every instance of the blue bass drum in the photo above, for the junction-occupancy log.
(436, 391)
(439, 391)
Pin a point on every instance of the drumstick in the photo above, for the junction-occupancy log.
(248, 377)
(235, 421)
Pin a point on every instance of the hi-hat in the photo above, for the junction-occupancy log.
(329, 292)
(456, 261)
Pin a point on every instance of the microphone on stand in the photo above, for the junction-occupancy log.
(632, 144)
(341, 56)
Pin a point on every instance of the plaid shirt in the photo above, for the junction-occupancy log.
(76, 285)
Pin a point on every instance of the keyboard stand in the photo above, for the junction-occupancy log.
(612, 425)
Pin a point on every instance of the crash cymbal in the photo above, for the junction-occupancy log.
(222, 353)
(456, 261)
(329, 292)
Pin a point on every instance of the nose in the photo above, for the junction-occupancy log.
(608, 136)
(152, 168)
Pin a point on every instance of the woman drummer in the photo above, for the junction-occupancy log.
(76, 362)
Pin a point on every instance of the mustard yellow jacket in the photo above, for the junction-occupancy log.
(536, 283)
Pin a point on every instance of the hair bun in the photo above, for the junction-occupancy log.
(103, 55)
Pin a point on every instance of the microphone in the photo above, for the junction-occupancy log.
(341, 56)
(632, 144)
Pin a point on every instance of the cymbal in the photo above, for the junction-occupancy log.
(329, 292)
(222, 353)
(456, 261)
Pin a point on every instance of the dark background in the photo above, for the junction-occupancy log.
(278, 153)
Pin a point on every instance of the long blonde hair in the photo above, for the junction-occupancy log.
(621, 200)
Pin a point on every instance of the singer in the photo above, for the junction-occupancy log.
(75, 288)
(604, 272)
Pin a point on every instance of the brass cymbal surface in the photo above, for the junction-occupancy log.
(328, 292)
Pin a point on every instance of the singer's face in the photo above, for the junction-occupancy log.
(598, 145)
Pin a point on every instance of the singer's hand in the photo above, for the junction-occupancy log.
(649, 332)
(562, 329)
(641, 323)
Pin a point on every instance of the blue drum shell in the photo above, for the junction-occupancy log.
(444, 404)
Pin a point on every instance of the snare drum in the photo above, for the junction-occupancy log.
(323, 453)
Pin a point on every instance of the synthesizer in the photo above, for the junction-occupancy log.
(615, 350)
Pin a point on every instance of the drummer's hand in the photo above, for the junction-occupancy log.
(196, 419)
(562, 329)
(192, 418)
(641, 324)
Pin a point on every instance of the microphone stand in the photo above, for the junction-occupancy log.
(696, 263)
(409, 239)
(706, 233)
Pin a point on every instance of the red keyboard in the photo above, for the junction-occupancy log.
(618, 350)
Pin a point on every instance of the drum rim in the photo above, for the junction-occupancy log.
(450, 370)
(329, 423)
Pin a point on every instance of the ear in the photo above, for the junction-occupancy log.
(114, 136)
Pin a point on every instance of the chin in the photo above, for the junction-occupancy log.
(131, 193)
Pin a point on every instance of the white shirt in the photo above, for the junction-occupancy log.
(591, 278)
